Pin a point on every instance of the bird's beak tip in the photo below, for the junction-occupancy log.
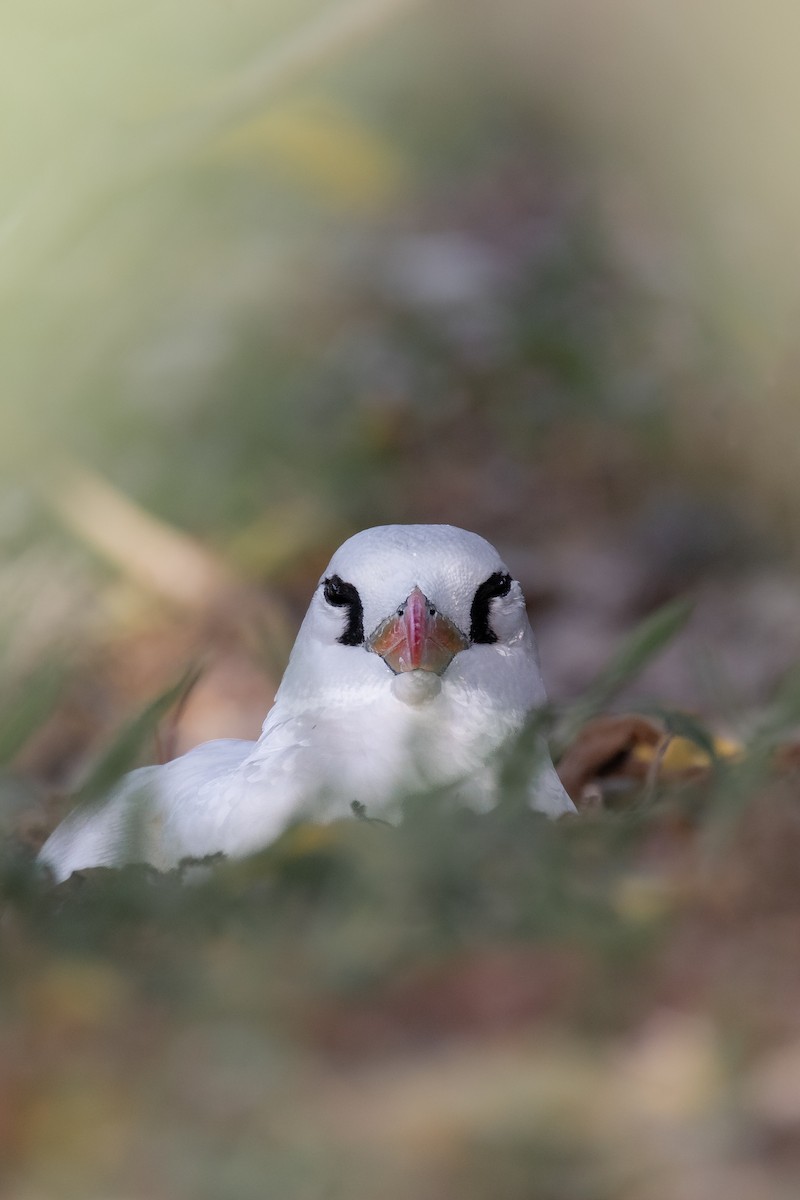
(417, 637)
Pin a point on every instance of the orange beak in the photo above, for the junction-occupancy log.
(417, 637)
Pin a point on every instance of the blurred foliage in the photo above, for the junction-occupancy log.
(462, 1004)
(483, 1002)
(208, 246)
(271, 272)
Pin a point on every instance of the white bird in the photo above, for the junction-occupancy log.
(414, 665)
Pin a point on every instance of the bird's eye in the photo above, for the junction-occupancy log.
(497, 585)
(341, 594)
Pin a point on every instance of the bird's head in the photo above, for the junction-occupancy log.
(413, 608)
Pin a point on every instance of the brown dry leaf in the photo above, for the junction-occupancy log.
(605, 746)
(635, 748)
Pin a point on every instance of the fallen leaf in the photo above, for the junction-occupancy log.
(605, 746)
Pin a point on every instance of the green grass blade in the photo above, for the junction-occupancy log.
(23, 711)
(649, 638)
(122, 753)
(684, 725)
(782, 716)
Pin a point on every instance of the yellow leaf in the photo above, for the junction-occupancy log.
(642, 899)
(73, 993)
(327, 151)
(682, 754)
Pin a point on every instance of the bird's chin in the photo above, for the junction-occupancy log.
(416, 687)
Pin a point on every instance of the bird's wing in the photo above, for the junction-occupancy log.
(547, 793)
(278, 782)
(156, 814)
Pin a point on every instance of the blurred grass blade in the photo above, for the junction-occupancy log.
(336, 30)
(153, 553)
(122, 753)
(741, 782)
(782, 717)
(680, 724)
(22, 712)
(648, 640)
(651, 637)
(520, 760)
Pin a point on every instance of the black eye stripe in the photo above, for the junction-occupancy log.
(496, 585)
(341, 594)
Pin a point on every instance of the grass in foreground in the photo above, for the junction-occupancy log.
(464, 1006)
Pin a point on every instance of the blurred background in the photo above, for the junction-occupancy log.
(273, 272)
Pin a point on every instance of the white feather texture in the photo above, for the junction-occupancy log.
(344, 726)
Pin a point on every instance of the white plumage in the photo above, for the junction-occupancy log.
(414, 663)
